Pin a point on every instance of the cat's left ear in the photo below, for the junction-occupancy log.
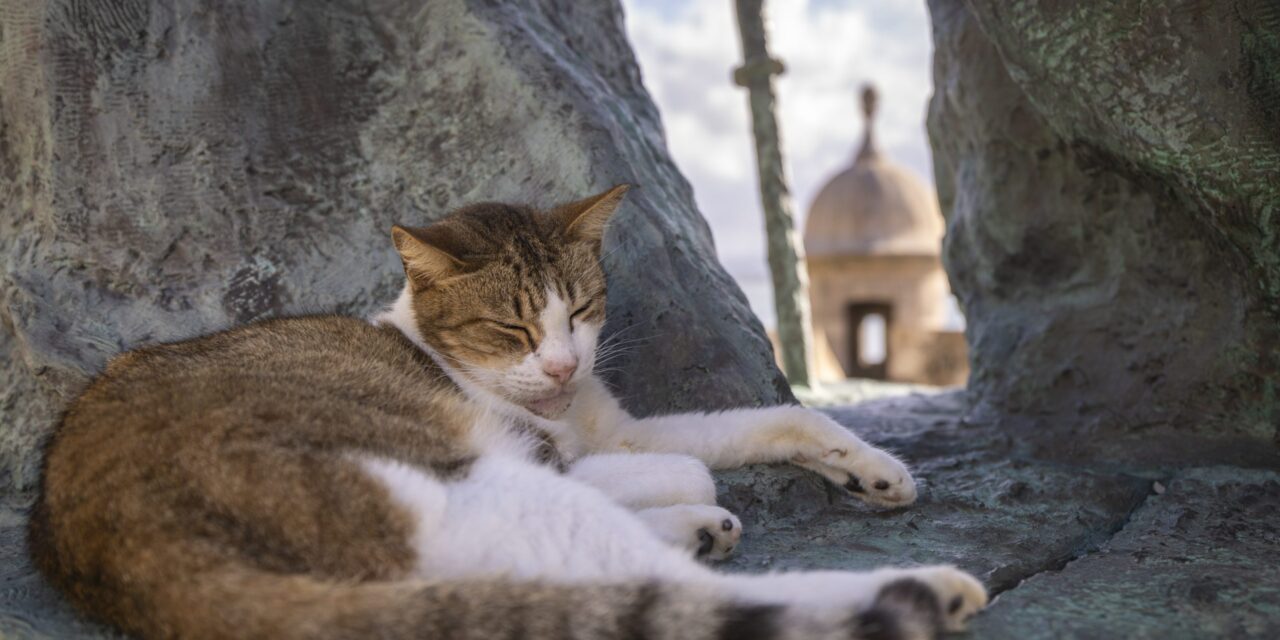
(586, 219)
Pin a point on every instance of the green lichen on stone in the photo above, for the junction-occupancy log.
(1161, 153)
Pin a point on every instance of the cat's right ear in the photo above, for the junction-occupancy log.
(428, 253)
(586, 219)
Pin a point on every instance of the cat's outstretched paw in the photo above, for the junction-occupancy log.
(868, 473)
(707, 531)
(871, 475)
(914, 603)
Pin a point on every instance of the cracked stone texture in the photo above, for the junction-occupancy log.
(167, 170)
(1200, 560)
(1108, 174)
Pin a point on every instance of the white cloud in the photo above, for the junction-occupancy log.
(687, 53)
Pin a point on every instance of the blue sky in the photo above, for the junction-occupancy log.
(687, 51)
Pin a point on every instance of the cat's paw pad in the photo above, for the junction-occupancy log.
(706, 531)
(868, 473)
(959, 595)
(718, 535)
(871, 475)
(875, 477)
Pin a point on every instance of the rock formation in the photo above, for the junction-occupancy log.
(1108, 171)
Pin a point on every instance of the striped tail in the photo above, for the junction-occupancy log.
(238, 602)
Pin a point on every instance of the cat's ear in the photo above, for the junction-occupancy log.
(430, 254)
(586, 219)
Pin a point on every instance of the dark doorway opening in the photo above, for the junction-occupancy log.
(868, 325)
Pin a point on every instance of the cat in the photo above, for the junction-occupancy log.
(452, 469)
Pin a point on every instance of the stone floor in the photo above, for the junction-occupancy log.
(1069, 551)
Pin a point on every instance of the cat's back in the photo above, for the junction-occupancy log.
(324, 382)
(288, 361)
(310, 346)
(241, 447)
(164, 427)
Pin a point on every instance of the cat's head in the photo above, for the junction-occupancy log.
(512, 298)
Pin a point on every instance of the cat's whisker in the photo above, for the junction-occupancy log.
(608, 356)
(619, 336)
(616, 352)
(629, 341)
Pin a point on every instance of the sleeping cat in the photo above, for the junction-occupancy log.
(452, 470)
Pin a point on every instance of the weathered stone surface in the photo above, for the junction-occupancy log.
(29, 608)
(167, 169)
(1200, 560)
(1108, 173)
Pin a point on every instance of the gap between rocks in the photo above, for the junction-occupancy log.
(1092, 546)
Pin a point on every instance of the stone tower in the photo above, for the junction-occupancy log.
(872, 240)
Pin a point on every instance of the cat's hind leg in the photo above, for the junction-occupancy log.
(647, 480)
(952, 595)
(507, 517)
(512, 521)
(673, 494)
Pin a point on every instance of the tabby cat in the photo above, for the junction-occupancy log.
(453, 469)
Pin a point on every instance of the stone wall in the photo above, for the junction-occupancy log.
(1108, 173)
(168, 169)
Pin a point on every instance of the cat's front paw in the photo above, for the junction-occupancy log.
(873, 476)
(870, 474)
(707, 531)
(717, 538)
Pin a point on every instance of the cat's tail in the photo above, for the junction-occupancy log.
(243, 603)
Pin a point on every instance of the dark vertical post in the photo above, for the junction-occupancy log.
(786, 254)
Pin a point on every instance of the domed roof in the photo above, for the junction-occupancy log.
(874, 207)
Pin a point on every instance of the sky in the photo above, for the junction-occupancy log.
(688, 50)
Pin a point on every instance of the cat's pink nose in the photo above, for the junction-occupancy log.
(561, 370)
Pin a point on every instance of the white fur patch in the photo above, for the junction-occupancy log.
(511, 519)
(423, 496)
(645, 480)
(400, 316)
(557, 344)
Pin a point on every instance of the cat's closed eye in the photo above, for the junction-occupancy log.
(521, 332)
